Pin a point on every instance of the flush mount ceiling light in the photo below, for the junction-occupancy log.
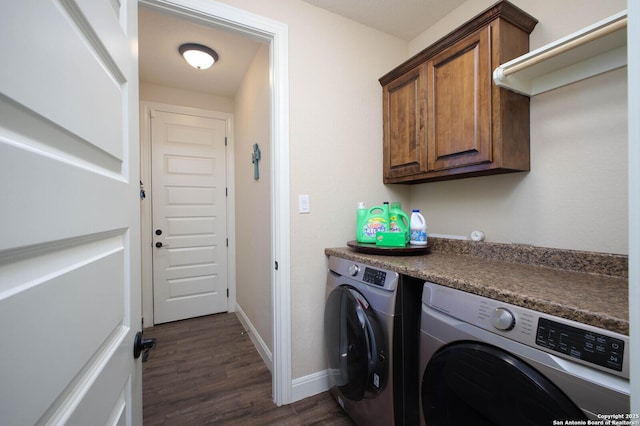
(197, 55)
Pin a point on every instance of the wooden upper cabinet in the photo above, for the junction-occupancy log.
(460, 104)
(405, 150)
(443, 116)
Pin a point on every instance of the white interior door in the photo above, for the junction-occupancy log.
(69, 215)
(189, 215)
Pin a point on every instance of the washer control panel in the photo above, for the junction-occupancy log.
(385, 280)
(374, 276)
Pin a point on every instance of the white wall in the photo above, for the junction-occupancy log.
(575, 196)
(253, 198)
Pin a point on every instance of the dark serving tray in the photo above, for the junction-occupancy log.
(369, 248)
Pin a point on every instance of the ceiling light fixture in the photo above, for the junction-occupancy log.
(198, 56)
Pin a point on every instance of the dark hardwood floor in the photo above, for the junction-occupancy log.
(206, 371)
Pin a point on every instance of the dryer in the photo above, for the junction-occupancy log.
(371, 334)
(485, 362)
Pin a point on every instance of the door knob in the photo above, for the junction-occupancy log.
(158, 231)
(158, 244)
(142, 346)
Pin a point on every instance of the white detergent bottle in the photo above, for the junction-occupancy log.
(418, 228)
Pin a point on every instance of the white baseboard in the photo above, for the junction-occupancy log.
(261, 347)
(302, 387)
(312, 384)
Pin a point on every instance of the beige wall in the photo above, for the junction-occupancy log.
(575, 196)
(253, 197)
(555, 19)
(336, 155)
(168, 95)
(335, 149)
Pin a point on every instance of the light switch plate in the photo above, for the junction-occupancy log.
(303, 204)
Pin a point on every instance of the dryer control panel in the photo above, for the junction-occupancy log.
(585, 344)
(577, 343)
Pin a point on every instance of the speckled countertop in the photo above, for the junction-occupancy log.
(591, 288)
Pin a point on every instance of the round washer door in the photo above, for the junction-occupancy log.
(355, 344)
(479, 384)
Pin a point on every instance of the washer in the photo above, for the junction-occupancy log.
(484, 362)
(371, 333)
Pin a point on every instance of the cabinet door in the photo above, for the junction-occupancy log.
(459, 104)
(404, 141)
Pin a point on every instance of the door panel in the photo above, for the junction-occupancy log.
(460, 104)
(189, 211)
(475, 383)
(69, 252)
(98, 70)
(404, 109)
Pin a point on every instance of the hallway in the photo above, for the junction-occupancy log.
(206, 371)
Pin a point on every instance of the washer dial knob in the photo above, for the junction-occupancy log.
(502, 319)
(353, 269)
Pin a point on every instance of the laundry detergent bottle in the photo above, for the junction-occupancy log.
(375, 220)
(398, 219)
(418, 232)
(361, 220)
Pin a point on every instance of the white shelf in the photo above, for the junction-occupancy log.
(594, 50)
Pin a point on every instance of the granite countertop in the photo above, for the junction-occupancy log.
(546, 280)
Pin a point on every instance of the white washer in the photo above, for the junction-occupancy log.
(484, 362)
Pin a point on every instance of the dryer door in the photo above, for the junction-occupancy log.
(355, 344)
(478, 384)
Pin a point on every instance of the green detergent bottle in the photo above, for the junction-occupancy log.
(398, 219)
(361, 220)
(371, 221)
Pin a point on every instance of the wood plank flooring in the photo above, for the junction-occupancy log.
(206, 371)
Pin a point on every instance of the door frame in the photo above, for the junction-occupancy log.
(276, 34)
(146, 207)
